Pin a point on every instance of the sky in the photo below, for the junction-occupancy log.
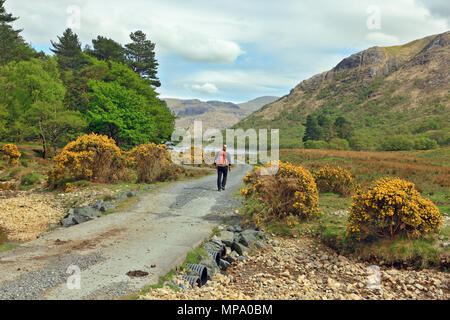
(236, 50)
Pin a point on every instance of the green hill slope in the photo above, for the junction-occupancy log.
(393, 97)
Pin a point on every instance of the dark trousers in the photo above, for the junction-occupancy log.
(222, 172)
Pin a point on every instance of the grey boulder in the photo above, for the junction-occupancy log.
(215, 245)
(227, 237)
(239, 248)
(210, 264)
(224, 264)
(80, 215)
(102, 206)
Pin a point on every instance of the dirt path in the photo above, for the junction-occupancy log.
(154, 236)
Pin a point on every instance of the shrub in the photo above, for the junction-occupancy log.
(336, 180)
(91, 157)
(392, 206)
(425, 144)
(197, 157)
(153, 163)
(11, 154)
(338, 144)
(397, 143)
(359, 143)
(290, 192)
(319, 144)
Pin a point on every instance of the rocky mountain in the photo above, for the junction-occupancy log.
(214, 114)
(382, 91)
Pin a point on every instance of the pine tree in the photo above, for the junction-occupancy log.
(326, 127)
(107, 49)
(343, 128)
(68, 51)
(313, 130)
(5, 17)
(141, 57)
(12, 46)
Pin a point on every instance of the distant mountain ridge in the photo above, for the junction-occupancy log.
(383, 91)
(213, 113)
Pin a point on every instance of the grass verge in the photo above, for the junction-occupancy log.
(330, 229)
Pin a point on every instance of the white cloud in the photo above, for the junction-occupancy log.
(284, 41)
(197, 46)
(209, 88)
(242, 80)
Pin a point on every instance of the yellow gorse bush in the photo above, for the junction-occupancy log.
(336, 180)
(197, 157)
(290, 192)
(11, 154)
(90, 157)
(153, 163)
(392, 206)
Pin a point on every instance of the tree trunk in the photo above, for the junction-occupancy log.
(44, 142)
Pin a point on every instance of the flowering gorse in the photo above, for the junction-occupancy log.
(291, 192)
(392, 206)
(11, 154)
(336, 180)
(153, 163)
(91, 157)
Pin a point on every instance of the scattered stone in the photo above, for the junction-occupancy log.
(239, 248)
(80, 215)
(103, 205)
(215, 245)
(231, 229)
(131, 194)
(210, 264)
(233, 257)
(137, 273)
(248, 237)
(259, 244)
(227, 238)
(224, 264)
(298, 269)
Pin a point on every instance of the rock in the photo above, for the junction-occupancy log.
(215, 245)
(242, 258)
(420, 287)
(182, 286)
(227, 238)
(210, 264)
(68, 221)
(102, 206)
(145, 188)
(248, 237)
(224, 264)
(231, 229)
(131, 194)
(259, 244)
(80, 215)
(239, 248)
(122, 197)
(233, 257)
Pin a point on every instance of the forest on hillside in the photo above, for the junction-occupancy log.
(103, 88)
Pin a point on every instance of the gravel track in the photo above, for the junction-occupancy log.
(154, 235)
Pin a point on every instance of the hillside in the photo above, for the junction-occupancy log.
(214, 114)
(382, 92)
